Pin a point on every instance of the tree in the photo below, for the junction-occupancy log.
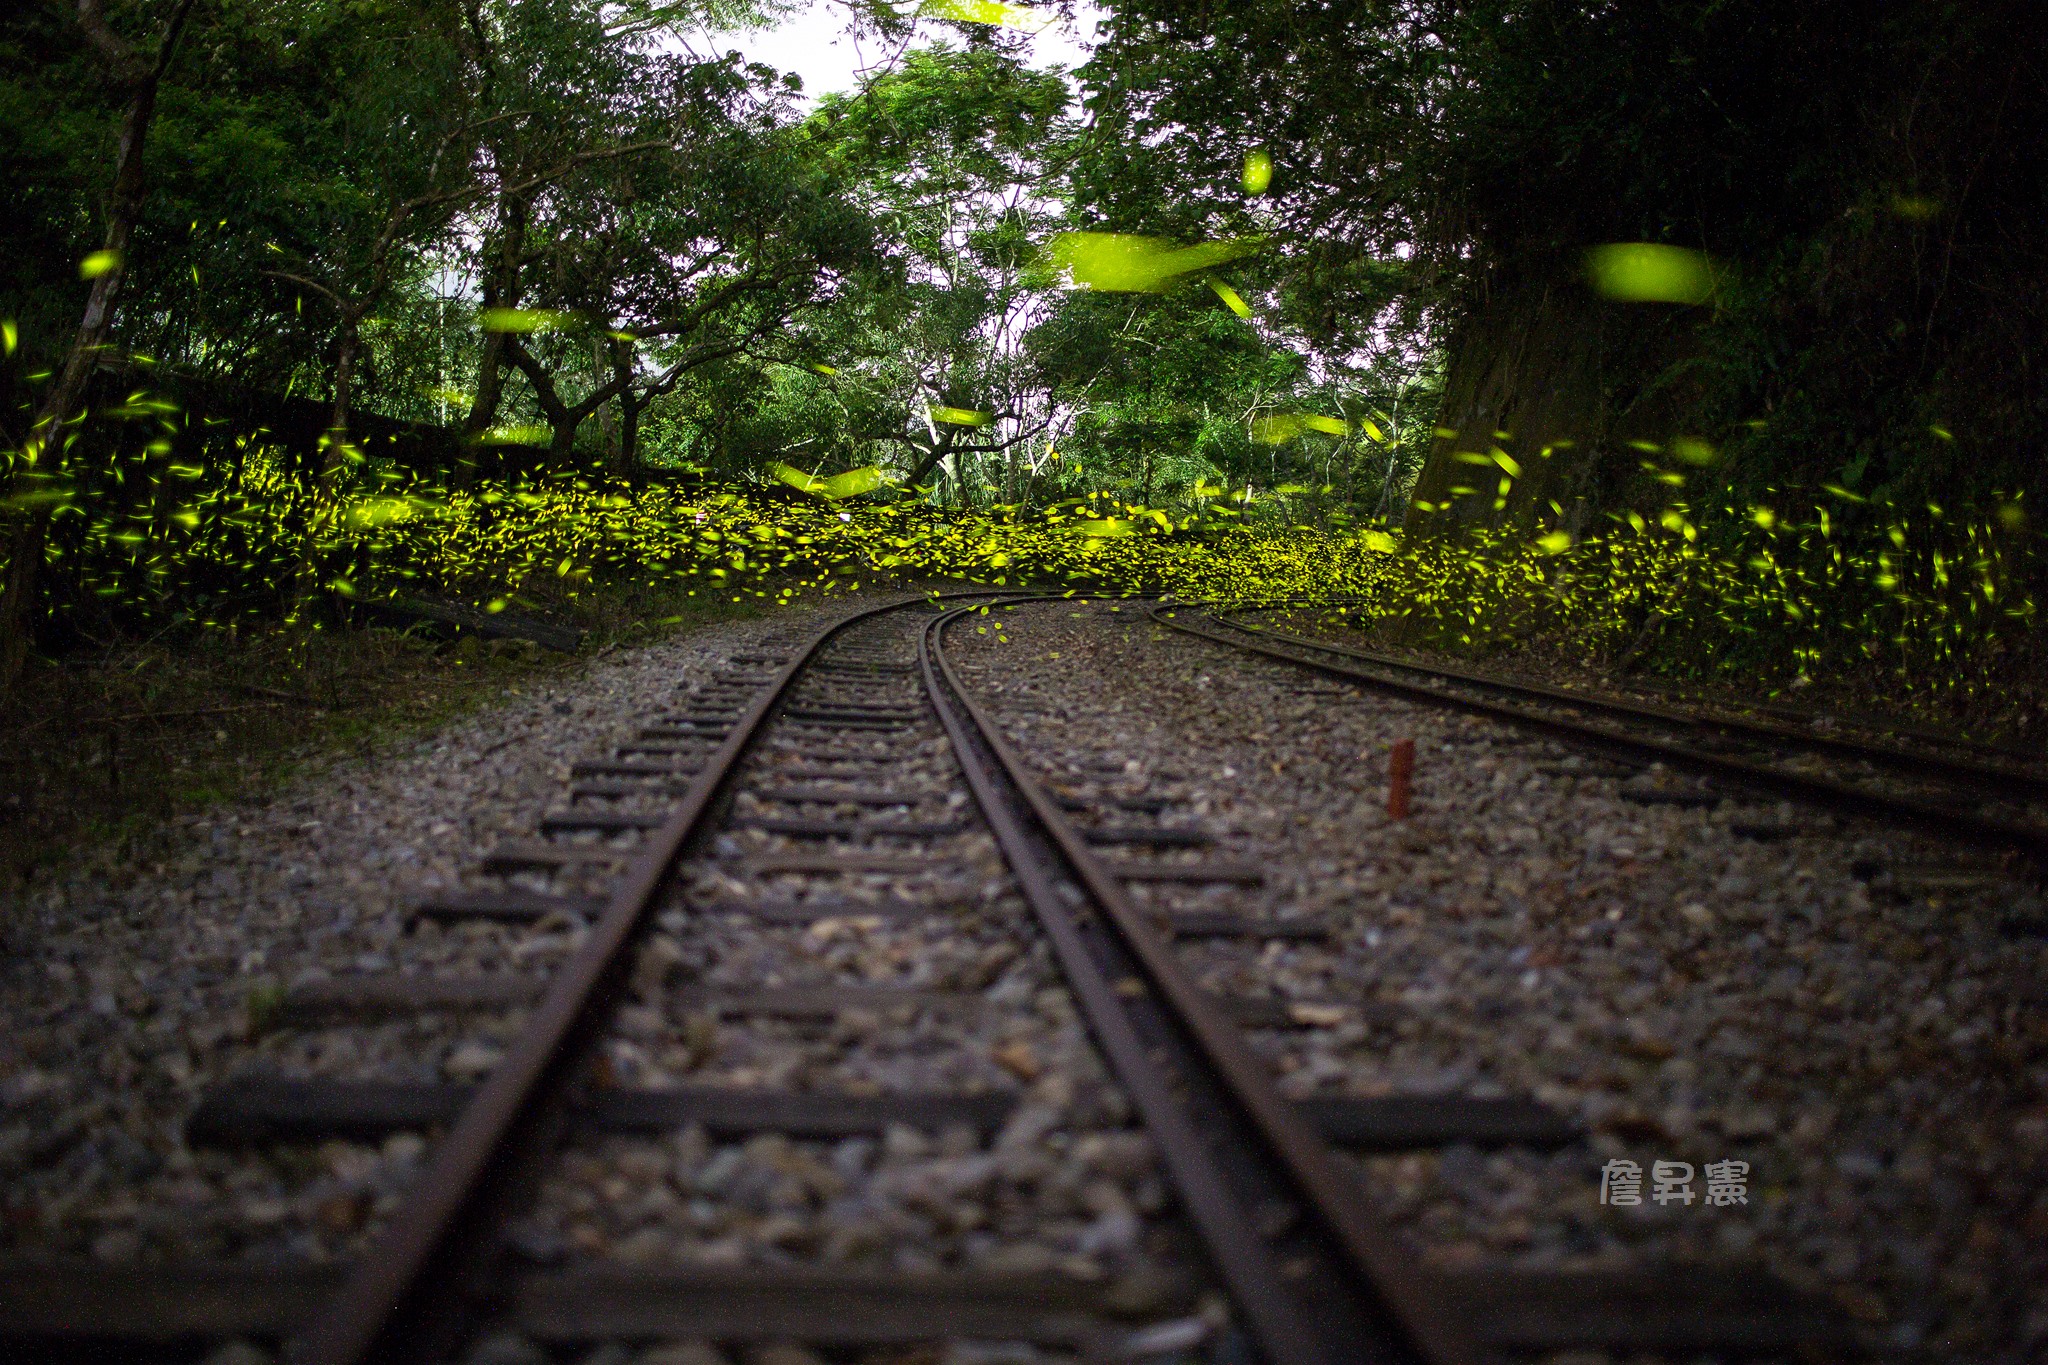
(961, 153)
(567, 85)
(681, 258)
(1480, 150)
(386, 199)
(134, 76)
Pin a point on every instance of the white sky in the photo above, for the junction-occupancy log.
(813, 42)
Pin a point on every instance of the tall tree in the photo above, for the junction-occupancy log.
(962, 153)
(679, 259)
(563, 85)
(134, 75)
(1863, 172)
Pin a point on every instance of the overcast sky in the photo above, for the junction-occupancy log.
(813, 43)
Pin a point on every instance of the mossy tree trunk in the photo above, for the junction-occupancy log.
(1547, 386)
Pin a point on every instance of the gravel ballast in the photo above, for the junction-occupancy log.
(133, 990)
(1836, 1007)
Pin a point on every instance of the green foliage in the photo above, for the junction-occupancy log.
(1922, 602)
(1194, 340)
(1868, 172)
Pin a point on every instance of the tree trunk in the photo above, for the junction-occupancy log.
(562, 418)
(501, 290)
(490, 387)
(1570, 379)
(625, 455)
(28, 534)
(563, 446)
(333, 462)
(629, 436)
(931, 460)
(346, 356)
(607, 422)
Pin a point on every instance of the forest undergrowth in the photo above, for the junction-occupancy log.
(1927, 616)
(1931, 607)
(108, 743)
(193, 674)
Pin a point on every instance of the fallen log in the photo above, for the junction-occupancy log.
(491, 625)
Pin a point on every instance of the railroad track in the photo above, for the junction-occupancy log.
(822, 925)
(1958, 791)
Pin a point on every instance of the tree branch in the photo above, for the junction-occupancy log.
(314, 285)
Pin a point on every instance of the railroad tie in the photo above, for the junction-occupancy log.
(511, 906)
(1226, 924)
(672, 731)
(1679, 1308)
(850, 796)
(599, 790)
(799, 828)
(835, 725)
(624, 767)
(1247, 874)
(1156, 836)
(1684, 798)
(253, 1110)
(601, 821)
(852, 863)
(524, 855)
(1695, 1307)
(389, 995)
(670, 747)
(1765, 831)
(783, 910)
(838, 770)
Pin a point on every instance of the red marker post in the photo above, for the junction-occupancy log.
(1400, 778)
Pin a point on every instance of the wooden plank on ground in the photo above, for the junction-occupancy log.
(249, 1111)
(822, 1307)
(54, 1308)
(1679, 1308)
(782, 910)
(727, 1112)
(1395, 1123)
(1228, 924)
(511, 905)
(502, 625)
(389, 995)
(68, 1300)
(824, 1002)
(848, 864)
(522, 855)
(1248, 874)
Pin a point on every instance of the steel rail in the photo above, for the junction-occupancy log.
(407, 1295)
(1984, 830)
(1368, 1303)
(1866, 723)
(2011, 779)
(2004, 760)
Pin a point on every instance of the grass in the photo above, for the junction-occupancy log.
(108, 747)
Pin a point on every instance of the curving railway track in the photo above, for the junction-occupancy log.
(823, 928)
(1997, 802)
